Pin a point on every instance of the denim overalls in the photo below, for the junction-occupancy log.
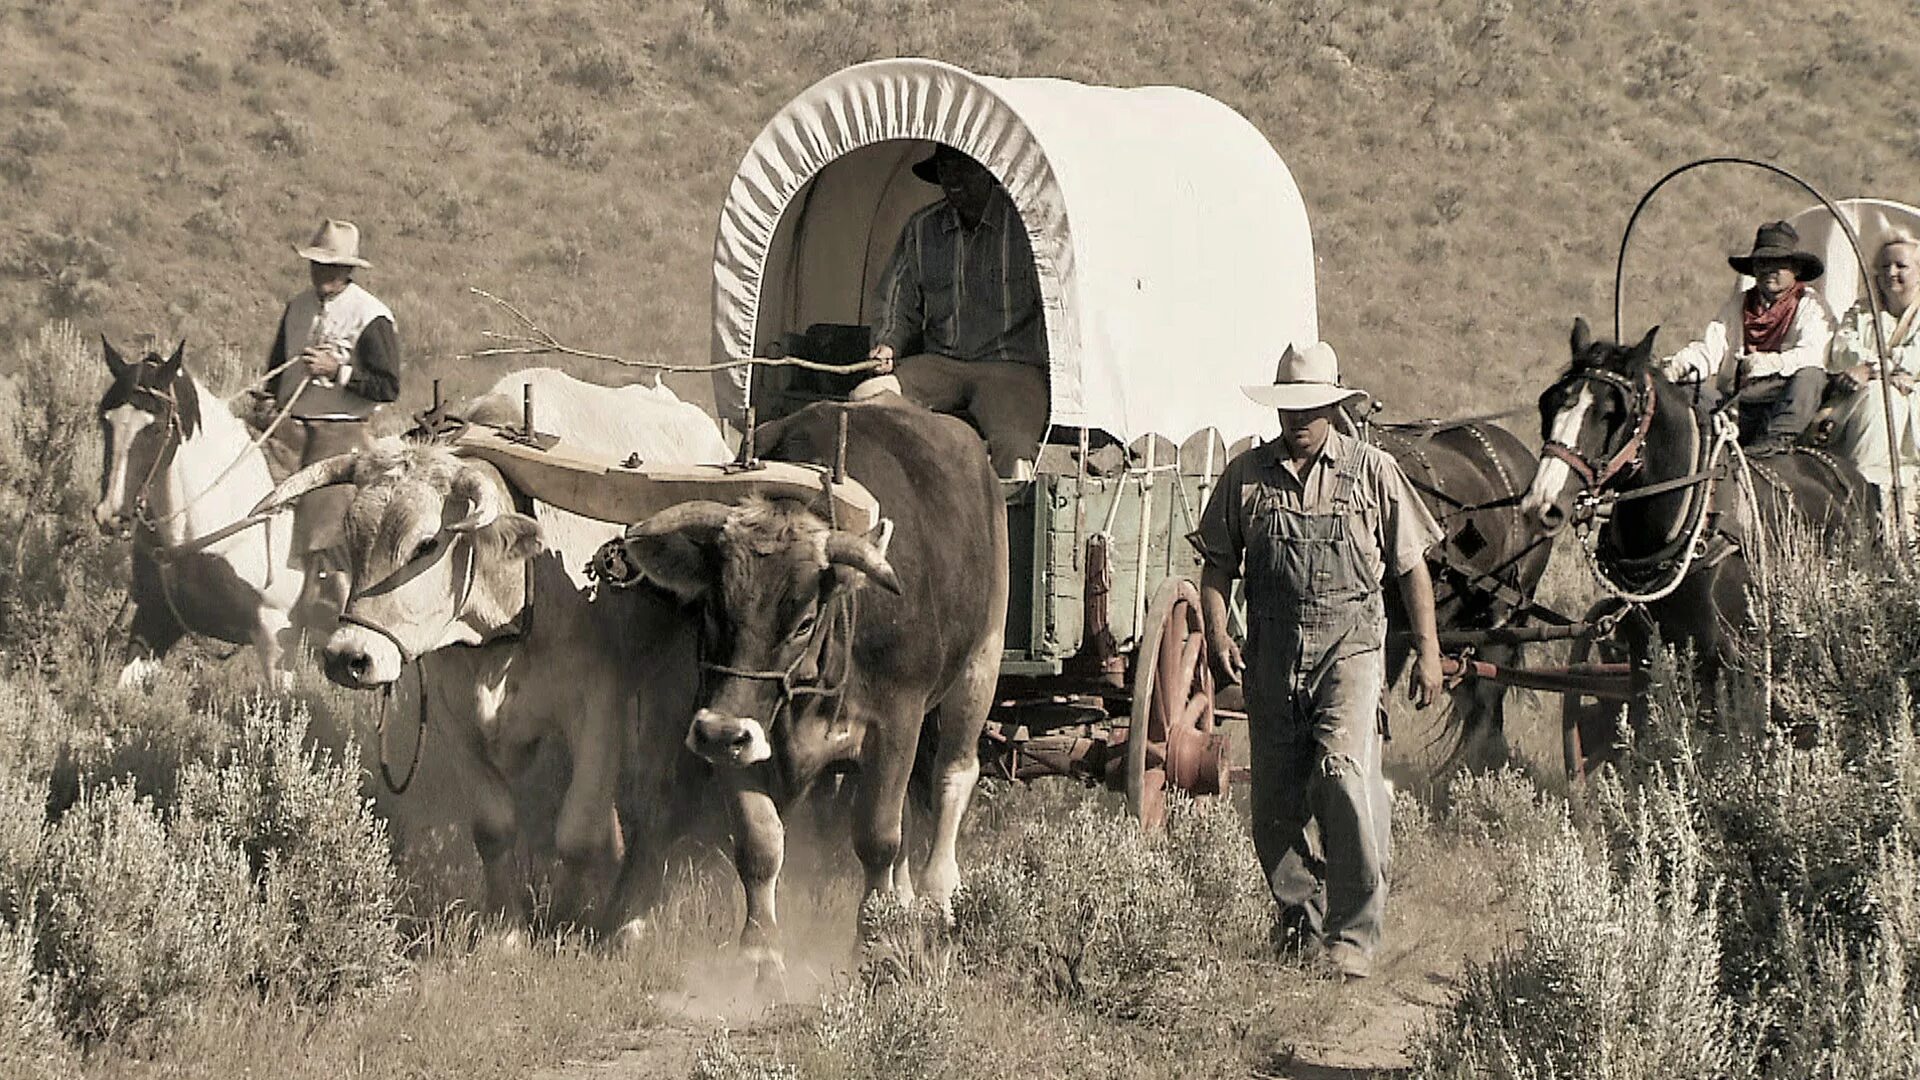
(1315, 669)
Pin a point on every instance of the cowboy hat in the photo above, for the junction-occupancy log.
(1779, 240)
(335, 243)
(1307, 379)
(928, 168)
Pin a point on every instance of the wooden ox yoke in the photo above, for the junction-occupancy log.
(598, 484)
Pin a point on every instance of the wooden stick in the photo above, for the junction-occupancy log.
(536, 341)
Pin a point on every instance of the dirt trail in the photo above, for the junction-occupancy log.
(1373, 1040)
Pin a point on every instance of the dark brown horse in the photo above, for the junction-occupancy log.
(1471, 474)
(1677, 514)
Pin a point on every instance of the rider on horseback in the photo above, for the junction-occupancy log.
(1767, 348)
(337, 358)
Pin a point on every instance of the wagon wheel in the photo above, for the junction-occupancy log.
(1588, 724)
(1170, 739)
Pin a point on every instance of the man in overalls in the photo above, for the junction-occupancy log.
(1314, 520)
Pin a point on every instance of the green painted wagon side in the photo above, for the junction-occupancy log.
(1049, 524)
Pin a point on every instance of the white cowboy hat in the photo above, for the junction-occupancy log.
(1307, 379)
(336, 243)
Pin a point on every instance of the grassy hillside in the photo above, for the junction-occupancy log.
(1468, 164)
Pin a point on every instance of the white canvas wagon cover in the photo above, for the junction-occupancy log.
(1171, 243)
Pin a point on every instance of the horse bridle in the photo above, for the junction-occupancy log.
(169, 446)
(1596, 475)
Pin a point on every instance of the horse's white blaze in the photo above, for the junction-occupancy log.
(1552, 476)
(125, 422)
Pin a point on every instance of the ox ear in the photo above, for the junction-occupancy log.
(1582, 339)
(518, 535)
(674, 548)
(116, 363)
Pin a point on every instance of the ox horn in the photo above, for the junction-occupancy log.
(337, 469)
(864, 555)
(483, 500)
(700, 517)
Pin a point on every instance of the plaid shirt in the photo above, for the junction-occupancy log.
(971, 294)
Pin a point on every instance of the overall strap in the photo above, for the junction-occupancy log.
(1345, 475)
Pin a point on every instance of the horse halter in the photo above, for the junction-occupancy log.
(842, 616)
(1596, 475)
(169, 446)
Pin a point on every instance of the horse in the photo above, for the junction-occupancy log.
(180, 475)
(1471, 475)
(1677, 516)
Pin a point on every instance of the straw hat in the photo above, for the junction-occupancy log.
(336, 243)
(1779, 240)
(1307, 379)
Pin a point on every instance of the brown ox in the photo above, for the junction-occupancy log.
(823, 649)
(511, 648)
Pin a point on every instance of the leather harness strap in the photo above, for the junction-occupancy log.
(1628, 458)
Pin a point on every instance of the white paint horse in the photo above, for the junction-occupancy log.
(181, 474)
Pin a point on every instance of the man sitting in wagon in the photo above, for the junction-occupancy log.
(1767, 348)
(960, 323)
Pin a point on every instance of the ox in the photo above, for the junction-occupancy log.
(826, 650)
(179, 474)
(510, 646)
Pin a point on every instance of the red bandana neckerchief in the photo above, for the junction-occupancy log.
(1767, 328)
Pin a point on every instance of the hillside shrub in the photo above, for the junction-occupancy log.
(304, 40)
(326, 887)
(571, 138)
(54, 565)
(141, 922)
(1089, 909)
(1617, 976)
(71, 268)
(1777, 820)
(603, 68)
(285, 134)
(720, 1059)
(30, 1043)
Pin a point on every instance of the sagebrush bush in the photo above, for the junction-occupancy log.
(141, 922)
(899, 1031)
(30, 1043)
(720, 1059)
(55, 569)
(1615, 978)
(1502, 808)
(327, 888)
(304, 41)
(1087, 908)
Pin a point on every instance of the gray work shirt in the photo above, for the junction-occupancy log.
(1393, 528)
(971, 294)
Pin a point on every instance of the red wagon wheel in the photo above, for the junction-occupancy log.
(1171, 742)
